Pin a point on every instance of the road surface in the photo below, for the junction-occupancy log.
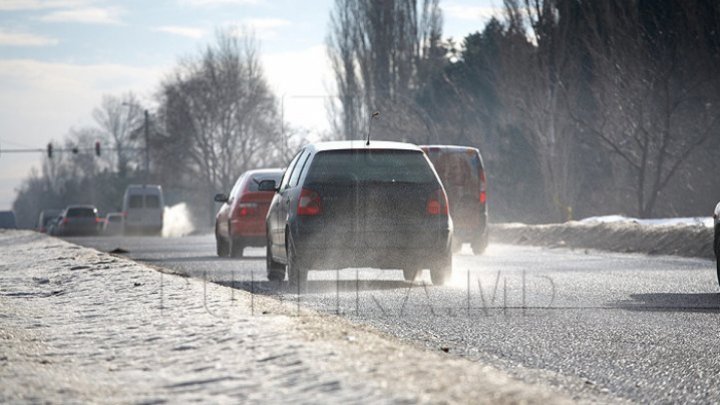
(590, 324)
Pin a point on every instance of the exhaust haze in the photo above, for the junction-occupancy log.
(177, 221)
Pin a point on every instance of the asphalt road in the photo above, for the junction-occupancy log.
(598, 326)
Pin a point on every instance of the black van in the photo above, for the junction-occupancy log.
(348, 204)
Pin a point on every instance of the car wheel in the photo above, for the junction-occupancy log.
(221, 246)
(442, 271)
(480, 243)
(717, 250)
(297, 274)
(410, 274)
(236, 247)
(275, 270)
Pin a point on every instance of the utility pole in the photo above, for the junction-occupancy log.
(147, 147)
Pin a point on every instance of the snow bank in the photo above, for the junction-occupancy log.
(701, 221)
(617, 236)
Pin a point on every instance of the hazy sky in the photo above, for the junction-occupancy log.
(58, 57)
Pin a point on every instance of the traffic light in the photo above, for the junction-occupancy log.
(97, 148)
(49, 150)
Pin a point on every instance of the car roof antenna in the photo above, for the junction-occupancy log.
(372, 117)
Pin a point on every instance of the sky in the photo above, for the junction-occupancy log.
(59, 57)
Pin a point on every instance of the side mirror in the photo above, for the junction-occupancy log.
(267, 185)
(221, 198)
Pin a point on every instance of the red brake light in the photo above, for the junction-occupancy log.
(483, 187)
(65, 220)
(246, 210)
(437, 204)
(309, 203)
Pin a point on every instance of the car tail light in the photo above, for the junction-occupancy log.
(65, 220)
(483, 187)
(245, 210)
(309, 203)
(437, 204)
(98, 220)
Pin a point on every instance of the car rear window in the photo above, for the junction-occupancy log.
(457, 169)
(370, 165)
(80, 212)
(254, 183)
(115, 218)
(152, 201)
(136, 201)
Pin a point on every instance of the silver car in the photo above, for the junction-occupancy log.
(716, 243)
(114, 224)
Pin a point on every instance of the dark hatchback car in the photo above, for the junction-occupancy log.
(78, 220)
(463, 175)
(345, 204)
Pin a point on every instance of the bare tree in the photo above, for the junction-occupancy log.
(219, 108)
(118, 119)
(656, 92)
(380, 51)
(537, 75)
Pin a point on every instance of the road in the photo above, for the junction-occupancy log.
(594, 325)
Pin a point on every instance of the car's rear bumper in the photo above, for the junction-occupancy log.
(468, 230)
(385, 250)
(78, 230)
(248, 228)
(255, 241)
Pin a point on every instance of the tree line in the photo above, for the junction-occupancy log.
(579, 107)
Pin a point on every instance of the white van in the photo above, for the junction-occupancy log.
(143, 209)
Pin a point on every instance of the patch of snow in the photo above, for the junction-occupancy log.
(692, 221)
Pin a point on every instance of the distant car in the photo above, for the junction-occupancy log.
(7, 220)
(240, 222)
(45, 217)
(345, 204)
(113, 224)
(143, 207)
(716, 243)
(79, 220)
(463, 175)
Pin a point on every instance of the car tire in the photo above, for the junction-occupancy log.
(410, 274)
(297, 274)
(717, 250)
(236, 247)
(441, 273)
(221, 246)
(480, 244)
(275, 270)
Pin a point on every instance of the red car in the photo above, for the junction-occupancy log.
(240, 222)
(461, 170)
